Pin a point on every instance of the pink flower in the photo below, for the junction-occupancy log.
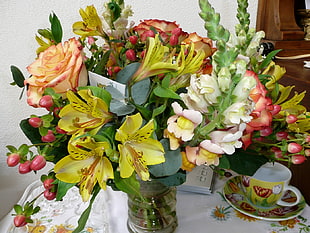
(183, 124)
(59, 67)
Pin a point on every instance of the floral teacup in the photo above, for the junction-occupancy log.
(268, 185)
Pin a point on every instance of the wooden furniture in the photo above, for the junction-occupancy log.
(279, 21)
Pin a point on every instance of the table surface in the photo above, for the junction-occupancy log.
(196, 213)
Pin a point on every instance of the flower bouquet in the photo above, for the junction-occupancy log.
(129, 102)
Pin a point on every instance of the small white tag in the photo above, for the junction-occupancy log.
(98, 80)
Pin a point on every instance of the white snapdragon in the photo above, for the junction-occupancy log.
(224, 79)
(242, 90)
(237, 113)
(228, 140)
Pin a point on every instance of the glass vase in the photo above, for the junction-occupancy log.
(154, 210)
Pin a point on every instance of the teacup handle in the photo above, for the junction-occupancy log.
(294, 190)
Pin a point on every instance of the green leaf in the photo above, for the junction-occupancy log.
(18, 76)
(36, 210)
(172, 163)
(100, 67)
(128, 185)
(268, 58)
(115, 10)
(99, 92)
(125, 74)
(245, 162)
(23, 149)
(46, 33)
(18, 209)
(159, 110)
(140, 91)
(11, 148)
(31, 133)
(56, 28)
(165, 93)
(120, 108)
(62, 189)
(85, 215)
(174, 180)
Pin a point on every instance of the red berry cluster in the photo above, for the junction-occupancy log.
(50, 189)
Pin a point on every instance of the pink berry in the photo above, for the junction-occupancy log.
(133, 39)
(46, 101)
(308, 138)
(49, 195)
(277, 152)
(174, 40)
(276, 109)
(130, 55)
(35, 122)
(24, 168)
(20, 220)
(265, 132)
(147, 34)
(307, 152)
(281, 135)
(38, 163)
(13, 159)
(48, 183)
(298, 159)
(176, 31)
(290, 119)
(294, 147)
(49, 137)
(90, 40)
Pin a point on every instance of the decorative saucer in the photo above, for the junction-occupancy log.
(234, 195)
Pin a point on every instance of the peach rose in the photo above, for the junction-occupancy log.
(200, 43)
(163, 27)
(59, 67)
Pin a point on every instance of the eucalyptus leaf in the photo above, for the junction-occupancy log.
(140, 91)
(173, 162)
(173, 180)
(120, 108)
(125, 74)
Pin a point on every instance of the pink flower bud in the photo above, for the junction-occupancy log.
(294, 147)
(276, 109)
(20, 220)
(290, 119)
(59, 130)
(49, 195)
(298, 159)
(46, 101)
(281, 135)
(142, 54)
(48, 183)
(35, 122)
(131, 55)
(13, 159)
(174, 40)
(90, 40)
(24, 168)
(49, 137)
(277, 152)
(133, 39)
(38, 163)
(176, 31)
(265, 132)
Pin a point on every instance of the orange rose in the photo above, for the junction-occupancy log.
(201, 43)
(59, 67)
(163, 27)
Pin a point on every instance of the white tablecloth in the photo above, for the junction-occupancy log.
(196, 214)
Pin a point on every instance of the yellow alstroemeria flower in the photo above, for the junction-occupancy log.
(91, 24)
(85, 165)
(276, 72)
(85, 111)
(155, 61)
(137, 149)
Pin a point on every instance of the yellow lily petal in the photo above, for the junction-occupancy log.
(68, 169)
(129, 127)
(104, 171)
